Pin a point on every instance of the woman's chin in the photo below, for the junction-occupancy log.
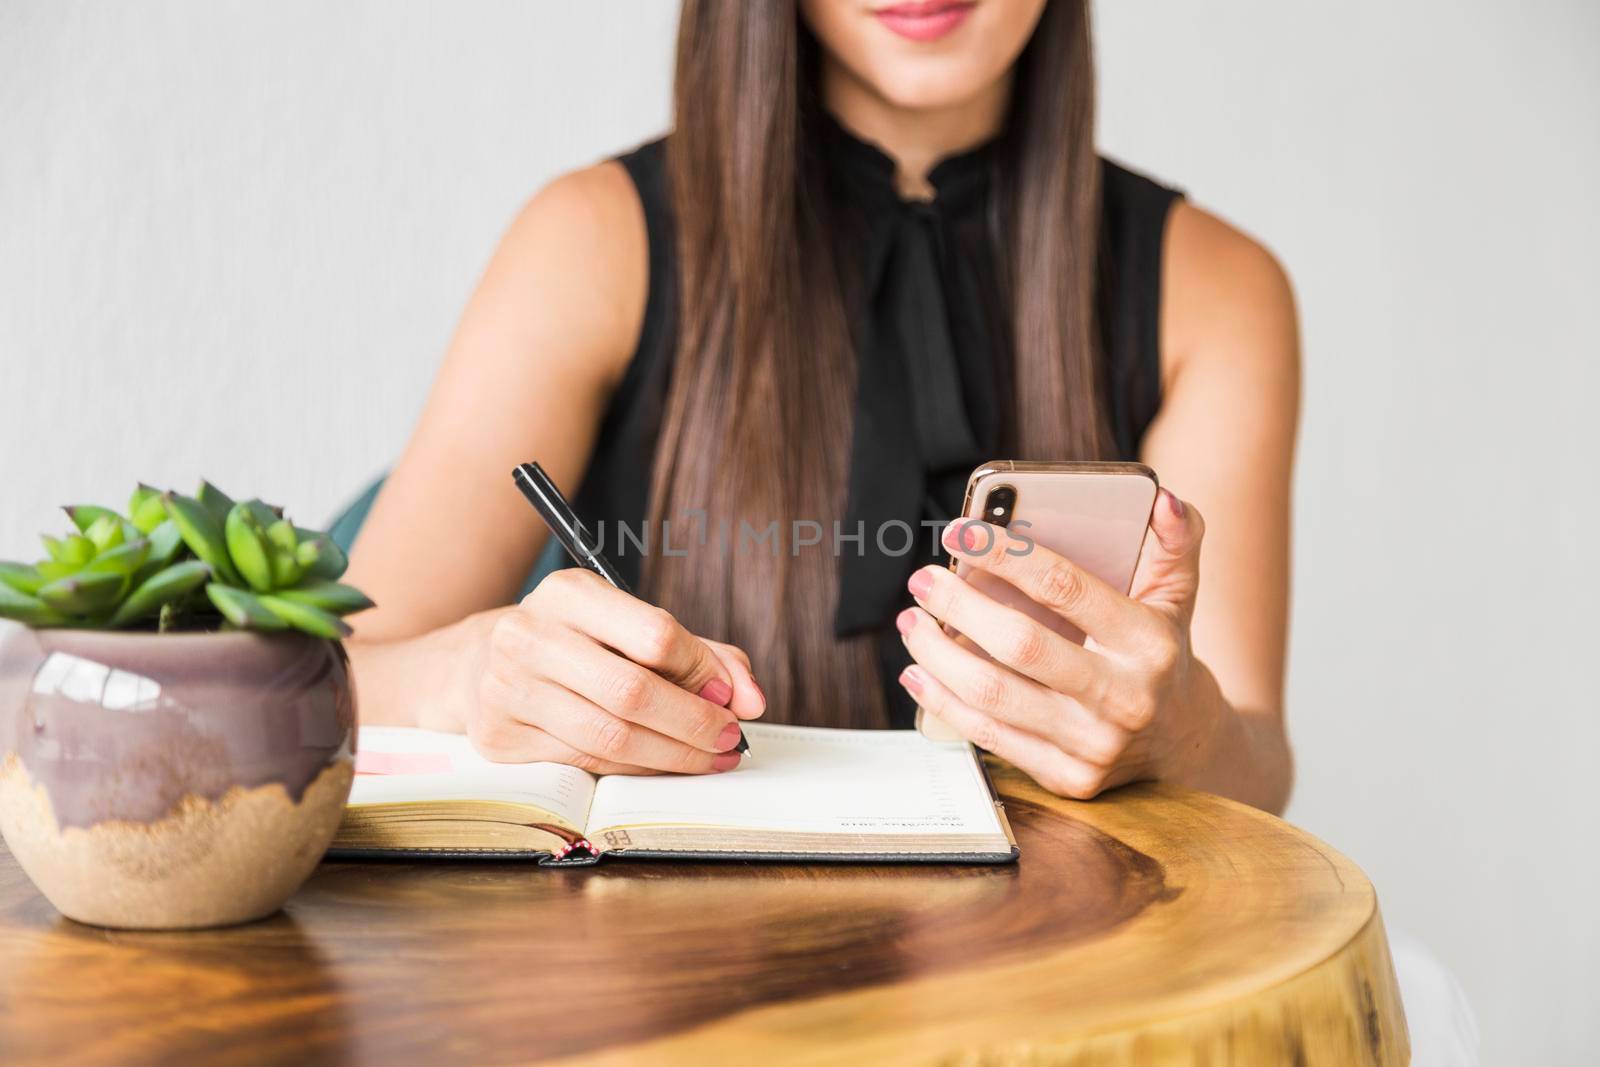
(928, 85)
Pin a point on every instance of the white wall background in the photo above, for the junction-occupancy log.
(234, 239)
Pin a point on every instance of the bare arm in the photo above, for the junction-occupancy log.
(578, 672)
(539, 349)
(1225, 441)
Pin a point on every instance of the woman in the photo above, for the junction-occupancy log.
(877, 249)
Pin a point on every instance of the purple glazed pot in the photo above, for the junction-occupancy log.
(162, 781)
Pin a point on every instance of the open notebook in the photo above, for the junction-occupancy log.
(802, 794)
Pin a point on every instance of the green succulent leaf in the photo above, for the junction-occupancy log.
(28, 610)
(50, 570)
(77, 550)
(106, 532)
(84, 516)
(286, 570)
(165, 542)
(125, 559)
(308, 619)
(80, 550)
(247, 545)
(281, 533)
(203, 533)
(149, 516)
(146, 509)
(22, 577)
(72, 551)
(333, 597)
(330, 562)
(265, 514)
(164, 587)
(215, 501)
(244, 609)
(166, 546)
(281, 548)
(84, 594)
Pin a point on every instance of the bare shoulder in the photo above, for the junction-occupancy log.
(544, 338)
(590, 202)
(578, 248)
(1224, 296)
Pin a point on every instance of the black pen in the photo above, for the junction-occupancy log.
(573, 535)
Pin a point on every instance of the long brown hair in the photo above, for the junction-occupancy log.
(757, 424)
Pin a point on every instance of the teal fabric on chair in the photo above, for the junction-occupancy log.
(344, 528)
(347, 525)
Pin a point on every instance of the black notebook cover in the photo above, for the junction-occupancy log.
(589, 859)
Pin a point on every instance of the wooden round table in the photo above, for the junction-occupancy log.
(1154, 925)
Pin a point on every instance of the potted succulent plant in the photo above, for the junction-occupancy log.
(177, 724)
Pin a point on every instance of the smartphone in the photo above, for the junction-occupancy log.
(1095, 514)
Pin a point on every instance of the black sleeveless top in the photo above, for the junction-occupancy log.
(926, 322)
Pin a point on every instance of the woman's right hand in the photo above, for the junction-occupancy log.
(585, 674)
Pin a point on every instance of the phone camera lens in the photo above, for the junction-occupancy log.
(1000, 505)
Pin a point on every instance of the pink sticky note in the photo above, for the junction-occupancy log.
(402, 763)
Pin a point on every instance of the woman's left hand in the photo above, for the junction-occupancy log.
(1128, 704)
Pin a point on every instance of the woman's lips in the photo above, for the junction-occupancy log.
(927, 20)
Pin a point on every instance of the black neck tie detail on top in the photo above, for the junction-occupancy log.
(921, 294)
(926, 410)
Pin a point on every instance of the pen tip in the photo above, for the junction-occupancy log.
(743, 747)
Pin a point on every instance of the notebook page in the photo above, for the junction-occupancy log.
(449, 769)
(809, 780)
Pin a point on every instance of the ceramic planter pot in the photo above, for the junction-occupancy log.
(163, 781)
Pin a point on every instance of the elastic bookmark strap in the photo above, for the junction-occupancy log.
(568, 849)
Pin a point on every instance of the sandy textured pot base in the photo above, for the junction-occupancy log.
(206, 863)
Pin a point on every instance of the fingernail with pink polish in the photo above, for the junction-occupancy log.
(728, 737)
(717, 691)
(912, 679)
(1173, 503)
(905, 621)
(921, 583)
(951, 538)
(726, 762)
